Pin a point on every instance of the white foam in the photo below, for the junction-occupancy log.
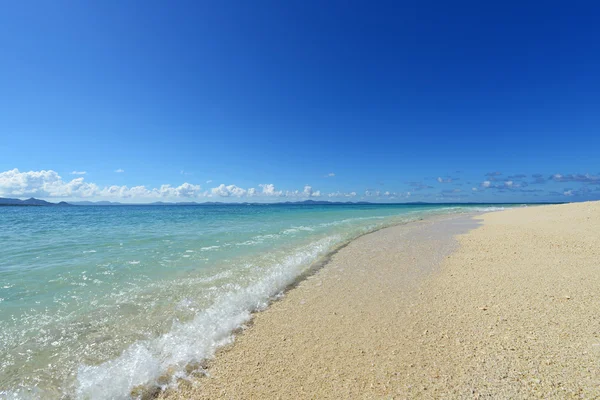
(208, 248)
(295, 229)
(348, 220)
(488, 209)
(195, 340)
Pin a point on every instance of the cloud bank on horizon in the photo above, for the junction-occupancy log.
(49, 184)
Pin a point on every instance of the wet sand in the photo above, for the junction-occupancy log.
(509, 309)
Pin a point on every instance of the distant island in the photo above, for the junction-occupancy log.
(37, 203)
(29, 202)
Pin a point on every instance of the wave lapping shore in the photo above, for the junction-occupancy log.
(512, 312)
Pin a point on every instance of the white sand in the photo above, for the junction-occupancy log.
(514, 312)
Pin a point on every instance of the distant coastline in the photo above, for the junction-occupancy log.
(33, 202)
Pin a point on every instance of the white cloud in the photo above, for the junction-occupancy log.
(486, 184)
(442, 180)
(186, 190)
(568, 193)
(308, 192)
(209, 181)
(183, 190)
(43, 184)
(474, 189)
(330, 175)
(341, 194)
(78, 173)
(49, 184)
(268, 189)
(509, 183)
(119, 171)
(227, 191)
(387, 194)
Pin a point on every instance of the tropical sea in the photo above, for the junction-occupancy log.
(97, 301)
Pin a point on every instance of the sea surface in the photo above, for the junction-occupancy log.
(100, 301)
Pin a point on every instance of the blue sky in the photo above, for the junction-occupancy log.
(207, 101)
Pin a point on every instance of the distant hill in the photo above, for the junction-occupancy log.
(29, 202)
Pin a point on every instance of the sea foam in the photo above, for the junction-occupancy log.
(190, 342)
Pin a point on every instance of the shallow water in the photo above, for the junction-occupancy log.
(95, 301)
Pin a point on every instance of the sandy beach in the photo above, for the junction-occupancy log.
(502, 305)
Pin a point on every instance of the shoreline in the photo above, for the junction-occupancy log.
(426, 228)
(511, 312)
(326, 258)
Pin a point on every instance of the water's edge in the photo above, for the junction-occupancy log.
(203, 368)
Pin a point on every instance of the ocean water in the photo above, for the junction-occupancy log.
(97, 302)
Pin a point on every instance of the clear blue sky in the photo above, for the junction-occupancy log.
(445, 100)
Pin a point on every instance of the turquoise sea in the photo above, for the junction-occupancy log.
(97, 300)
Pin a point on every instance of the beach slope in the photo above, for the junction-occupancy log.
(510, 308)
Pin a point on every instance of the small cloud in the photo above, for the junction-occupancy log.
(583, 178)
(308, 192)
(583, 191)
(209, 181)
(444, 180)
(474, 189)
(486, 184)
(78, 173)
(119, 171)
(268, 189)
(493, 176)
(330, 175)
(226, 191)
(341, 194)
